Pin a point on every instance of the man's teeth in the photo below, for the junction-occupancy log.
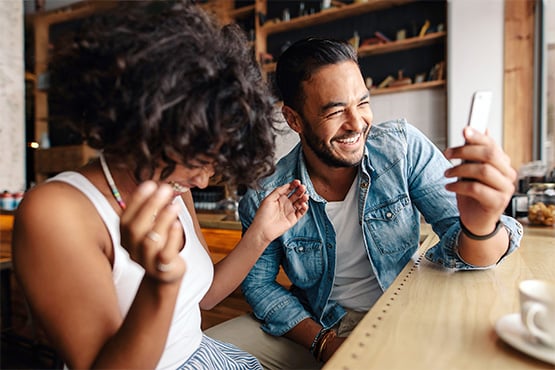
(351, 140)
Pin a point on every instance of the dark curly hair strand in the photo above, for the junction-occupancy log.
(157, 81)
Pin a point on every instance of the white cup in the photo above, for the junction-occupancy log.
(537, 309)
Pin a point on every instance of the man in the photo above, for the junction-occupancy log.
(368, 187)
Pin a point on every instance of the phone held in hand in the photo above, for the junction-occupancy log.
(479, 110)
(479, 113)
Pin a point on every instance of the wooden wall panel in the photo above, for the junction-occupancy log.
(518, 109)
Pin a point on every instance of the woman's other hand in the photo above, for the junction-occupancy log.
(280, 210)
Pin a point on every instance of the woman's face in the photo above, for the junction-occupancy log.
(195, 174)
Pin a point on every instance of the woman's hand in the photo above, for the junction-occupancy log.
(280, 210)
(151, 232)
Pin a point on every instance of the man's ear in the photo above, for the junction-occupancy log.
(292, 117)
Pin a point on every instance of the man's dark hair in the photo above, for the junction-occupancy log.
(150, 82)
(302, 59)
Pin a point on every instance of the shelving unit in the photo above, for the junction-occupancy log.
(266, 26)
(227, 12)
(414, 86)
(390, 47)
(242, 12)
(51, 160)
(406, 44)
(330, 15)
(349, 11)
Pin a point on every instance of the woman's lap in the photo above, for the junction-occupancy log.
(272, 352)
(217, 355)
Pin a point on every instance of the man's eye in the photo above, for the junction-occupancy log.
(333, 114)
(364, 103)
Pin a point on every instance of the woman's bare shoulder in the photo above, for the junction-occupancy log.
(50, 215)
(49, 201)
(59, 242)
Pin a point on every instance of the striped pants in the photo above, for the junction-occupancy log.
(215, 355)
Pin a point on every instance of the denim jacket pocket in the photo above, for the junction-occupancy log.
(393, 225)
(303, 262)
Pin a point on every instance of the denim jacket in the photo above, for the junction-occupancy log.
(400, 178)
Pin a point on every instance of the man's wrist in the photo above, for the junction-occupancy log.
(314, 345)
(320, 342)
(473, 236)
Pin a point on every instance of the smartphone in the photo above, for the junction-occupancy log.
(479, 113)
(479, 110)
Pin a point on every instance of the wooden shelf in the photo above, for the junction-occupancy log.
(390, 47)
(418, 86)
(76, 10)
(392, 90)
(330, 15)
(406, 44)
(30, 76)
(242, 12)
(269, 67)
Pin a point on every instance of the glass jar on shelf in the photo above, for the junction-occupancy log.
(541, 204)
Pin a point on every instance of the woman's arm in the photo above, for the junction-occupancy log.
(280, 210)
(63, 260)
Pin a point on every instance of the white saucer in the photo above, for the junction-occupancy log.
(513, 332)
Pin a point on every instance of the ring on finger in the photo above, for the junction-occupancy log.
(154, 236)
(164, 267)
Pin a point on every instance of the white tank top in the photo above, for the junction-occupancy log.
(185, 332)
(355, 286)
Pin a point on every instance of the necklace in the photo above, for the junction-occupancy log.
(111, 182)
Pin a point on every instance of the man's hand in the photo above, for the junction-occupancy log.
(485, 182)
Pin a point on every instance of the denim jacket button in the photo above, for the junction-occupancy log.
(301, 249)
(364, 185)
(389, 215)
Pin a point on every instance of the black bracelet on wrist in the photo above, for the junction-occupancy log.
(313, 346)
(473, 236)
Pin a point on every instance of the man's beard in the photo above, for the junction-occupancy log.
(324, 152)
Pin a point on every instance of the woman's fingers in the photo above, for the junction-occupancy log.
(152, 233)
(167, 263)
(144, 207)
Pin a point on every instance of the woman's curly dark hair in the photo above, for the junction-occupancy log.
(156, 81)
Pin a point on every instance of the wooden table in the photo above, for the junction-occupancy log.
(434, 318)
(6, 221)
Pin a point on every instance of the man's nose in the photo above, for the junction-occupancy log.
(356, 120)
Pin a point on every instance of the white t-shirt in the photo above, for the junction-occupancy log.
(355, 285)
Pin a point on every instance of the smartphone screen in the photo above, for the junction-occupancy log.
(479, 110)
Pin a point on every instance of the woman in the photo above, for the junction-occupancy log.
(111, 257)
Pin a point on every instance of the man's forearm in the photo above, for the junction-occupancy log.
(304, 333)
